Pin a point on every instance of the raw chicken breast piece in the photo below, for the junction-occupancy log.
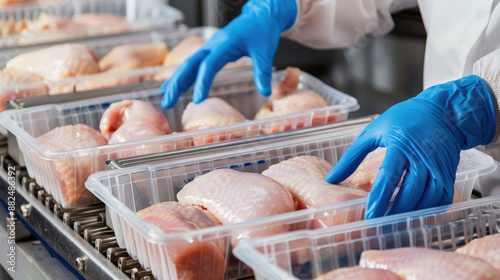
(486, 248)
(185, 49)
(365, 174)
(73, 172)
(13, 2)
(111, 23)
(235, 197)
(423, 263)
(129, 120)
(193, 259)
(57, 62)
(358, 273)
(212, 112)
(133, 56)
(304, 177)
(125, 58)
(286, 99)
(31, 85)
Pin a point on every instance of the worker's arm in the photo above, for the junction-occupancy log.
(341, 23)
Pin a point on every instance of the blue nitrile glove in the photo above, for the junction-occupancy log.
(254, 33)
(423, 136)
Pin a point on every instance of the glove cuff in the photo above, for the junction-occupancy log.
(469, 109)
(283, 12)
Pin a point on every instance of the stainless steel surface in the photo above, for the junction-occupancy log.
(217, 147)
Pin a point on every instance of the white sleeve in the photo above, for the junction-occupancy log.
(331, 24)
(488, 68)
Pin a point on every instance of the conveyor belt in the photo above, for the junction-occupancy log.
(79, 236)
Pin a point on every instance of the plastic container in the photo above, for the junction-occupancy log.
(128, 190)
(237, 89)
(443, 228)
(101, 46)
(148, 15)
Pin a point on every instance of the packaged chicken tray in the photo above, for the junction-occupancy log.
(139, 58)
(63, 171)
(43, 21)
(129, 190)
(447, 232)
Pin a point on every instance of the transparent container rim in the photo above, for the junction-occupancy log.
(6, 119)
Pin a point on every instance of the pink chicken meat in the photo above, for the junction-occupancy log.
(358, 273)
(235, 197)
(129, 120)
(125, 58)
(32, 86)
(212, 112)
(365, 174)
(196, 259)
(427, 264)
(304, 177)
(72, 137)
(56, 63)
(486, 248)
(286, 99)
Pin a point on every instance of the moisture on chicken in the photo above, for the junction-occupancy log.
(212, 112)
(131, 120)
(358, 273)
(304, 177)
(72, 137)
(235, 197)
(56, 63)
(193, 259)
(423, 263)
(26, 85)
(286, 99)
(486, 248)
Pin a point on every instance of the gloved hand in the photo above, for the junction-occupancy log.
(423, 136)
(254, 33)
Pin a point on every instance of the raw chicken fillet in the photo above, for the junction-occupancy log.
(235, 197)
(193, 259)
(286, 99)
(131, 120)
(72, 137)
(57, 62)
(486, 248)
(358, 273)
(212, 112)
(365, 174)
(134, 56)
(423, 263)
(304, 177)
(27, 85)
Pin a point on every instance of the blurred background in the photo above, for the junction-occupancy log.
(378, 72)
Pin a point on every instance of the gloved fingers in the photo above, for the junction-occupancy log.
(206, 73)
(448, 195)
(351, 159)
(181, 80)
(432, 196)
(388, 177)
(262, 64)
(412, 190)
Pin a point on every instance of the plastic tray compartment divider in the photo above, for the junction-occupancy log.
(443, 228)
(128, 190)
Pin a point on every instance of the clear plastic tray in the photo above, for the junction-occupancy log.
(128, 190)
(147, 14)
(237, 89)
(442, 228)
(101, 47)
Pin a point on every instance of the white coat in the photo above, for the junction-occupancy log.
(463, 38)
